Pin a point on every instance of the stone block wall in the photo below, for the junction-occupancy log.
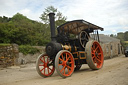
(8, 55)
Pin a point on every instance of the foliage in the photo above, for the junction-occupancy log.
(126, 36)
(23, 31)
(120, 36)
(2, 44)
(59, 18)
(27, 49)
(123, 37)
(113, 36)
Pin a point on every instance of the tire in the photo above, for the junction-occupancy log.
(95, 58)
(126, 55)
(45, 66)
(64, 63)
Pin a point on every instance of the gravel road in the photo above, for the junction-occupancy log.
(114, 72)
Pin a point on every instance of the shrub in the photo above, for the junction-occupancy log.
(27, 49)
(3, 44)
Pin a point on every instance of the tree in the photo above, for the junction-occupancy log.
(120, 36)
(114, 36)
(111, 35)
(59, 18)
(126, 36)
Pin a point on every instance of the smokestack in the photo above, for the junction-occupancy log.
(52, 26)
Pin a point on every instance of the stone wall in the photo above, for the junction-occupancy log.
(111, 49)
(30, 58)
(9, 55)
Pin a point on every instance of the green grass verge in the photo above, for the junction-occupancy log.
(27, 49)
(3, 44)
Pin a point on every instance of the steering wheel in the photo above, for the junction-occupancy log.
(83, 38)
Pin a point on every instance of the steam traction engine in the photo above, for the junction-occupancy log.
(76, 43)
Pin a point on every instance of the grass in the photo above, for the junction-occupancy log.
(3, 44)
(126, 41)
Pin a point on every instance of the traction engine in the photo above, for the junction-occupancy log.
(76, 43)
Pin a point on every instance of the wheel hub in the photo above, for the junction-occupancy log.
(96, 54)
(64, 63)
(45, 65)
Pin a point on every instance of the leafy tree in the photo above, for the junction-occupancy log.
(120, 36)
(23, 31)
(59, 18)
(111, 35)
(126, 36)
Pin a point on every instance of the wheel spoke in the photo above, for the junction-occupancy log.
(62, 56)
(67, 59)
(60, 59)
(41, 65)
(62, 69)
(82, 38)
(97, 59)
(69, 67)
(68, 70)
(44, 59)
(99, 54)
(66, 56)
(70, 62)
(92, 49)
(84, 42)
(86, 39)
(42, 69)
(93, 57)
(96, 48)
(48, 70)
(93, 53)
(51, 64)
(41, 60)
(47, 61)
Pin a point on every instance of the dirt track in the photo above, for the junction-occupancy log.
(114, 72)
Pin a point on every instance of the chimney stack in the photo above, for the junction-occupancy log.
(52, 26)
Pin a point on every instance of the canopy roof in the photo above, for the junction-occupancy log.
(76, 26)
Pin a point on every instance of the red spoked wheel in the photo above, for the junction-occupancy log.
(45, 66)
(95, 56)
(64, 63)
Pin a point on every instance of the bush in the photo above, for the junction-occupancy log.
(27, 49)
(2, 44)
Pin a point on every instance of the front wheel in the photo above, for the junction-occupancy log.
(45, 66)
(64, 63)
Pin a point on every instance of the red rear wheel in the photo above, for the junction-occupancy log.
(95, 56)
(44, 65)
(64, 63)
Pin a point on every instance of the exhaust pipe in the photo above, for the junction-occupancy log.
(52, 26)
